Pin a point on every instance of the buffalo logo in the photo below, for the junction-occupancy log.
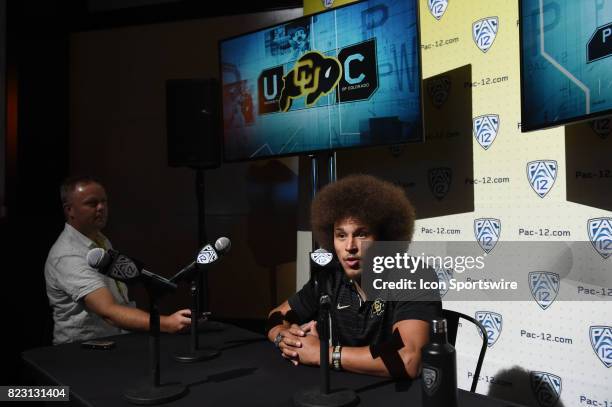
(437, 8)
(484, 32)
(542, 175)
(431, 379)
(321, 257)
(601, 341)
(444, 276)
(313, 75)
(207, 255)
(378, 307)
(327, 3)
(546, 388)
(439, 181)
(487, 231)
(602, 127)
(544, 287)
(124, 268)
(438, 89)
(492, 323)
(600, 234)
(485, 129)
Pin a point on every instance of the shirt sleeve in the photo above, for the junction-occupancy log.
(304, 302)
(77, 278)
(422, 310)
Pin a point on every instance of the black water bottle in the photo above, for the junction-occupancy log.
(439, 384)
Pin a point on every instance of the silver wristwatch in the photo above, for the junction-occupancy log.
(336, 357)
(278, 339)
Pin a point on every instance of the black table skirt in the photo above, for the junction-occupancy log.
(249, 372)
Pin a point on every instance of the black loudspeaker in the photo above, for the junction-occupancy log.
(193, 123)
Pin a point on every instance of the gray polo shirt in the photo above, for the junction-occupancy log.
(69, 279)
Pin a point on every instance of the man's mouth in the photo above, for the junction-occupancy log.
(352, 262)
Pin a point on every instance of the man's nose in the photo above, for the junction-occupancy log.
(351, 244)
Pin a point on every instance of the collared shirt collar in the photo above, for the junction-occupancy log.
(84, 240)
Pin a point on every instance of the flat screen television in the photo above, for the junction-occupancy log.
(346, 77)
(566, 61)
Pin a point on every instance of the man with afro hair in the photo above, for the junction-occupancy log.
(369, 336)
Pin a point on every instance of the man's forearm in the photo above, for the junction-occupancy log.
(128, 318)
(400, 363)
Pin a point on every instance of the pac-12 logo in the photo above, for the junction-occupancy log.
(546, 388)
(439, 181)
(484, 32)
(437, 8)
(431, 379)
(600, 234)
(485, 129)
(487, 231)
(438, 89)
(542, 175)
(544, 286)
(327, 3)
(125, 268)
(601, 341)
(207, 255)
(602, 127)
(444, 276)
(492, 323)
(321, 257)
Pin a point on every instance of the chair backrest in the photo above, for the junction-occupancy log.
(452, 323)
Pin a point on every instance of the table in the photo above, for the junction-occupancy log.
(249, 372)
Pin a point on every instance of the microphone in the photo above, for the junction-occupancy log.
(207, 255)
(120, 267)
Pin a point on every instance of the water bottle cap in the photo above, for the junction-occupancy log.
(438, 326)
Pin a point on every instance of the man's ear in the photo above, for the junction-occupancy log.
(67, 208)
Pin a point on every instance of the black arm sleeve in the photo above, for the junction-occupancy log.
(423, 310)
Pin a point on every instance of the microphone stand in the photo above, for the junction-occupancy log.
(323, 396)
(195, 353)
(154, 392)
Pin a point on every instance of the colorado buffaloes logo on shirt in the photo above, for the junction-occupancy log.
(542, 175)
(485, 129)
(600, 234)
(378, 307)
(437, 8)
(484, 32)
(487, 232)
(546, 388)
(601, 341)
(544, 286)
(492, 323)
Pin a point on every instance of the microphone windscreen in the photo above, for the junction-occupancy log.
(98, 258)
(222, 245)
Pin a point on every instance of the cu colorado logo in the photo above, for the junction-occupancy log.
(544, 287)
(124, 268)
(438, 89)
(487, 231)
(600, 235)
(314, 75)
(601, 341)
(431, 379)
(542, 175)
(321, 257)
(546, 388)
(492, 323)
(602, 127)
(444, 276)
(485, 129)
(484, 32)
(437, 8)
(439, 181)
(207, 255)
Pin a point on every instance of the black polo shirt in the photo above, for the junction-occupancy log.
(356, 322)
